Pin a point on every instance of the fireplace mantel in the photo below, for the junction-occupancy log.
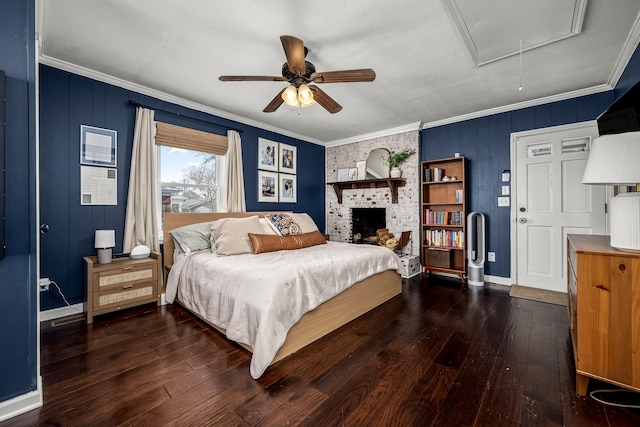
(392, 183)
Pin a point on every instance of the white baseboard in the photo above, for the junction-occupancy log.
(491, 279)
(56, 313)
(21, 404)
(498, 280)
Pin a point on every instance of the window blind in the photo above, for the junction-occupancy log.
(190, 139)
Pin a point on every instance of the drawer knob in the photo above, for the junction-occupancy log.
(622, 267)
(602, 287)
(127, 286)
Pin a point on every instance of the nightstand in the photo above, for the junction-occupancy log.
(122, 283)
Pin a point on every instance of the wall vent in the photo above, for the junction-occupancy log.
(66, 320)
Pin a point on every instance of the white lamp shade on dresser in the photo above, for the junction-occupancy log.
(615, 160)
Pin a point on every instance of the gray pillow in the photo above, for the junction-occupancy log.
(192, 237)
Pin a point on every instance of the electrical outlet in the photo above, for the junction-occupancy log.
(491, 256)
(44, 284)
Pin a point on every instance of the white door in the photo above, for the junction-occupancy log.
(551, 202)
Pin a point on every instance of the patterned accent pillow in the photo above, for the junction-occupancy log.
(283, 224)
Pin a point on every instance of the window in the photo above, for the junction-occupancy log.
(189, 180)
(190, 170)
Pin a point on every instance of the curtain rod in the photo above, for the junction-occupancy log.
(137, 104)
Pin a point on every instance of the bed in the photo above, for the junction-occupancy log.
(308, 317)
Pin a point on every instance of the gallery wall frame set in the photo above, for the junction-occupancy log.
(277, 166)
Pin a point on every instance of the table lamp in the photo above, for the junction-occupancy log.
(615, 160)
(105, 240)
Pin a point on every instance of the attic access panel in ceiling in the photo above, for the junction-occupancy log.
(492, 29)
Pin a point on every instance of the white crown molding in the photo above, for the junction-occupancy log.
(105, 78)
(520, 105)
(626, 53)
(380, 134)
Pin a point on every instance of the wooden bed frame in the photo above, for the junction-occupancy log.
(327, 317)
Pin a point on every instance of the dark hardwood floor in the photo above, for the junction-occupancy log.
(434, 356)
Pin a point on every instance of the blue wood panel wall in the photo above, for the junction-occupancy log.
(18, 289)
(68, 101)
(486, 143)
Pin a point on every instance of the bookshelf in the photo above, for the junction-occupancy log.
(444, 216)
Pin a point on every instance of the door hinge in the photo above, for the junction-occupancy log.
(606, 210)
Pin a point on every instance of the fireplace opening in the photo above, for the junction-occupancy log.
(365, 222)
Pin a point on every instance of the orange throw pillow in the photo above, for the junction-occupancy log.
(270, 243)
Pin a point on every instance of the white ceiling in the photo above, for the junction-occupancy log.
(426, 73)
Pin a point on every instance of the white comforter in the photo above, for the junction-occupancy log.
(258, 298)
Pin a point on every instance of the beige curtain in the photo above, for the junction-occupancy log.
(141, 222)
(234, 178)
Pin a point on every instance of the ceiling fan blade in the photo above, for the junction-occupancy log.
(325, 100)
(275, 103)
(344, 76)
(294, 50)
(252, 79)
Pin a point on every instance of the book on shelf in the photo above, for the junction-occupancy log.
(459, 196)
(438, 174)
(427, 175)
(443, 217)
(444, 238)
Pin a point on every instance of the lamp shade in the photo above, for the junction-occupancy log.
(105, 239)
(614, 160)
(290, 96)
(305, 96)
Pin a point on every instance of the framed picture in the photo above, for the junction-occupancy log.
(267, 186)
(361, 166)
(287, 161)
(343, 174)
(288, 188)
(98, 147)
(353, 174)
(267, 155)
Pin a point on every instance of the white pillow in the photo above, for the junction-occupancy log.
(267, 228)
(230, 234)
(305, 222)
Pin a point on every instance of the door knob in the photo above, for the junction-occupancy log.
(522, 220)
(44, 228)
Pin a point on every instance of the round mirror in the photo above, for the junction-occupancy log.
(376, 164)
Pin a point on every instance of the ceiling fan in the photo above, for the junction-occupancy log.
(299, 73)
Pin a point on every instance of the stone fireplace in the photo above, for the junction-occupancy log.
(399, 217)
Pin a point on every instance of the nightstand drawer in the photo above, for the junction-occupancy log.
(122, 295)
(125, 276)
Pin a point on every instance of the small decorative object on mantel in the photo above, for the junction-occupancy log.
(395, 159)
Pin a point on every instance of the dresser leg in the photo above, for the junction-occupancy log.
(582, 382)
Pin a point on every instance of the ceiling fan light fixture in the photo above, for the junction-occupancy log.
(305, 96)
(290, 96)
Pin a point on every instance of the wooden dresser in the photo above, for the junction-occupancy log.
(122, 283)
(604, 312)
